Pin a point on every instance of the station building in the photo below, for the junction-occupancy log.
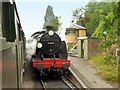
(78, 42)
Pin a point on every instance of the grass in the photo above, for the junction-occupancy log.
(107, 67)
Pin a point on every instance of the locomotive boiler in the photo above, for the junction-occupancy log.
(51, 53)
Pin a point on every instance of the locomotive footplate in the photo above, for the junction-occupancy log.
(45, 64)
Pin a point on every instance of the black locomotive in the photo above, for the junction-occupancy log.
(51, 52)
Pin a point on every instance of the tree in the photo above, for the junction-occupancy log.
(51, 19)
(99, 17)
(78, 16)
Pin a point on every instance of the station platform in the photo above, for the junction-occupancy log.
(87, 73)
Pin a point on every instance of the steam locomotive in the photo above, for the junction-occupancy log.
(51, 53)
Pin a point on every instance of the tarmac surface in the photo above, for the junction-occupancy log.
(87, 73)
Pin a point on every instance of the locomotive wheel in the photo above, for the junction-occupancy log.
(60, 73)
(65, 71)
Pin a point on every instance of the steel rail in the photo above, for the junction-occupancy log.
(69, 83)
(43, 84)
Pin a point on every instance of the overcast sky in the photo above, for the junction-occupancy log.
(32, 13)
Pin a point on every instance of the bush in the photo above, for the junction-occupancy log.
(110, 59)
(107, 66)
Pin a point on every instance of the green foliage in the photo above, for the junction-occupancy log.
(106, 66)
(110, 59)
(55, 23)
(78, 16)
(105, 13)
(100, 17)
(51, 19)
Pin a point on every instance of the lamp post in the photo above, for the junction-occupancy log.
(104, 33)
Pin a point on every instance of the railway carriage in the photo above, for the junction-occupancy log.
(51, 53)
(12, 49)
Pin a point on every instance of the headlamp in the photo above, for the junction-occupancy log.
(39, 45)
(50, 32)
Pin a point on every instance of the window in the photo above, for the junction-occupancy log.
(19, 31)
(70, 32)
(0, 19)
(8, 22)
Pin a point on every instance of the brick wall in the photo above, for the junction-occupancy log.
(90, 47)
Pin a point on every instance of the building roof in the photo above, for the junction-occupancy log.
(76, 26)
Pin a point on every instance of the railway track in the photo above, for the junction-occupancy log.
(43, 85)
(70, 83)
(49, 82)
(33, 80)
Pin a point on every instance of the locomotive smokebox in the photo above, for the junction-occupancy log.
(51, 43)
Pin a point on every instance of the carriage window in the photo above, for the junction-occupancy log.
(8, 22)
(0, 19)
(19, 31)
(22, 35)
